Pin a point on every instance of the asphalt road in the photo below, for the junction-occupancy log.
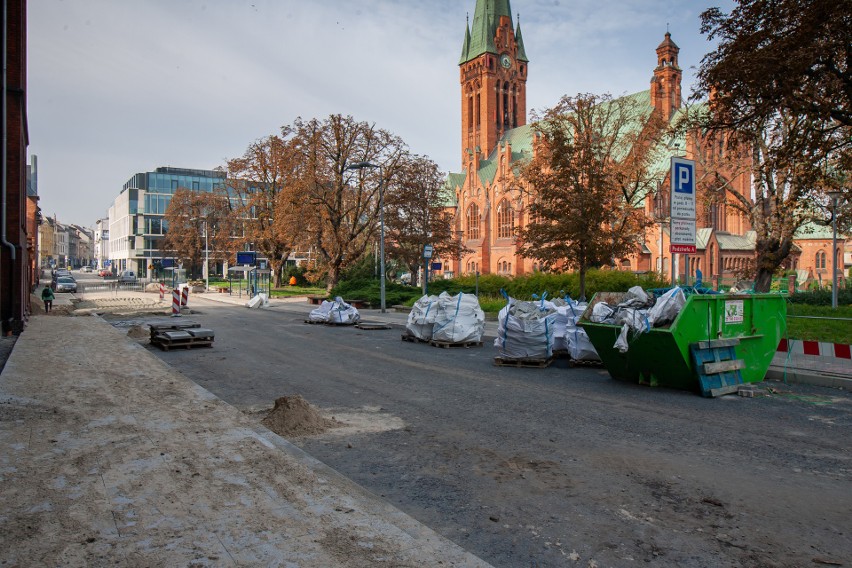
(550, 467)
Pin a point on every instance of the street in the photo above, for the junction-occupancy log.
(557, 466)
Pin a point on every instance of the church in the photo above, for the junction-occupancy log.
(490, 206)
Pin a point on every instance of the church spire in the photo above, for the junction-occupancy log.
(486, 21)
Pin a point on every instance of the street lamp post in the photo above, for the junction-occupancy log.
(206, 260)
(834, 196)
(359, 166)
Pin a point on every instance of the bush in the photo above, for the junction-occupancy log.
(489, 286)
(370, 292)
(822, 297)
(293, 270)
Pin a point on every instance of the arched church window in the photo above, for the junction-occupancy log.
(505, 220)
(820, 260)
(473, 221)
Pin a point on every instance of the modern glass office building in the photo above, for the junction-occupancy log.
(136, 217)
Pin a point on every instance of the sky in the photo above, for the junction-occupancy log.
(118, 87)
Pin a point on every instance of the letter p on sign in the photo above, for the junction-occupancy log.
(683, 177)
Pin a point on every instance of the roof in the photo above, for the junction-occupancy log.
(816, 232)
(727, 241)
(479, 37)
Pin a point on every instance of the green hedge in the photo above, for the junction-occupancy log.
(822, 297)
(489, 286)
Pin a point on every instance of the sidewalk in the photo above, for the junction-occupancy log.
(110, 457)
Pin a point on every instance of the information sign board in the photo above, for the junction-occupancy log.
(246, 257)
(683, 206)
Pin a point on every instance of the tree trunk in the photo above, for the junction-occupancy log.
(770, 254)
(582, 283)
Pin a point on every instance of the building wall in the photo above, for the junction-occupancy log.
(15, 275)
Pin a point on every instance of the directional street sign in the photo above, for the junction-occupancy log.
(683, 206)
(427, 251)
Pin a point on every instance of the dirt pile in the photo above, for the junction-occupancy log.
(139, 332)
(292, 416)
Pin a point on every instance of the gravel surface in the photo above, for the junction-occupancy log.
(550, 467)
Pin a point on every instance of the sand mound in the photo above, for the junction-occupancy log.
(292, 416)
(139, 332)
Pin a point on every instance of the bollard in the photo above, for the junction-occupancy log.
(184, 296)
(175, 303)
(162, 291)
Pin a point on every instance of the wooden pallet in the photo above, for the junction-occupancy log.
(332, 323)
(525, 363)
(448, 344)
(187, 337)
(717, 366)
(165, 345)
(372, 326)
(158, 328)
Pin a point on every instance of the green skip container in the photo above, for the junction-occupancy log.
(748, 326)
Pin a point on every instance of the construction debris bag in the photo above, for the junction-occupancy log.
(421, 318)
(525, 330)
(667, 308)
(336, 311)
(458, 319)
(579, 346)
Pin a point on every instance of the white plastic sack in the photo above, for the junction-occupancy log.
(525, 331)
(667, 308)
(579, 346)
(602, 313)
(458, 319)
(421, 318)
(336, 311)
(621, 340)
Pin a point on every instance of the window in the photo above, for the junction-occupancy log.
(473, 221)
(820, 260)
(505, 220)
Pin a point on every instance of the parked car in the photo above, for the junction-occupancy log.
(60, 273)
(127, 277)
(65, 284)
(104, 272)
(86, 269)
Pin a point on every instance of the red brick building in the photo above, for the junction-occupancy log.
(16, 237)
(490, 207)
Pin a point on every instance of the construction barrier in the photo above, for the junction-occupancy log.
(162, 291)
(175, 303)
(184, 296)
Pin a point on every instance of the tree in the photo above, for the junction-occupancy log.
(266, 180)
(588, 178)
(416, 214)
(780, 89)
(341, 219)
(185, 219)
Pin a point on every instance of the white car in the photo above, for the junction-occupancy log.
(127, 277)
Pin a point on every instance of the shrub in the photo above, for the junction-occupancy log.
(822, 297)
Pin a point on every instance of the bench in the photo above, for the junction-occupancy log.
(316, 300)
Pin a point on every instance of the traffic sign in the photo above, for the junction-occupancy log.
(427, 251)
(683, 188)
(682, 237)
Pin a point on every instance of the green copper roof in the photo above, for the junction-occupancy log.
(522, 53)
(479, 37)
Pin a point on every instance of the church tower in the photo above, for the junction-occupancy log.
(493, 75)
(665, 84)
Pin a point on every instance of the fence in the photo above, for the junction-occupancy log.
(110, 286)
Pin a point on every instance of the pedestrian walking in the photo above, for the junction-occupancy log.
(47, 297)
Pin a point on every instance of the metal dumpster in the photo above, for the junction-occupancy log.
(750, 325)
